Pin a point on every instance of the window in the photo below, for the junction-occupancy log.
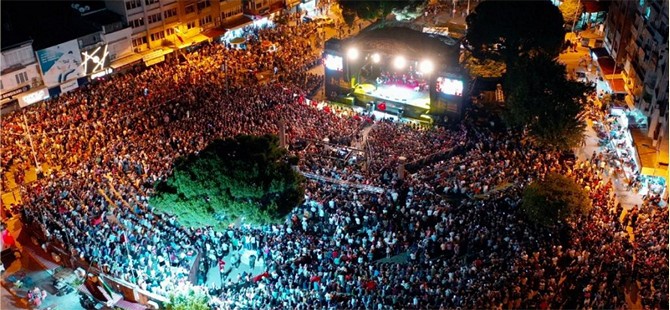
(170, 12)
(206, 20)
(150, 2)
(169, 31)
(21, 77)
(154, 18)
(139, 41)
(204, 4)
(232, 12)
(190, 25)
(132, 4)
(189, 9)
(137, 22)
(157, 36)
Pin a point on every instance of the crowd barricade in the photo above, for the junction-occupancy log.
(364, 187)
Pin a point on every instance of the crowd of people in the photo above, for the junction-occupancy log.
(449, 235)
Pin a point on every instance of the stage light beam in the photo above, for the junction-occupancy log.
(399, 62)
(426, 66)
(376, 58)
(352, 53)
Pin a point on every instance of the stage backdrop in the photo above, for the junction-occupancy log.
(60, 63)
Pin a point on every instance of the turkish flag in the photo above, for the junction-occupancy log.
(381, 106)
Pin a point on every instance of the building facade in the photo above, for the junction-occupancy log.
(618, 28)
(636, 35)
(20, 73)
(172, 23)
(646, 65)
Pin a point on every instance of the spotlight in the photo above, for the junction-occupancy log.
(376, 58)
(426, 66)
(352, 53)
(399, 62)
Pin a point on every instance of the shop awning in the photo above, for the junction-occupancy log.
(236, 22)
(127, 60)
(599, 52)
(592, 6)
(647, 154)
(617, 85)
(214, 33)
(606, 65)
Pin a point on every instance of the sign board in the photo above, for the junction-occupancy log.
(60, 63)
(68, 86)
(36, 96)
(15, 92)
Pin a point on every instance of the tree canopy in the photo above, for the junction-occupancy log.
(571, 10)
(555, 198)
(193, 298)
(541, 98)
(243, 177)
(485, 68)
(505, 30)
(372, 10)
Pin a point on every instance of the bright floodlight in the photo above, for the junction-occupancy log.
(352, 53)
(426, 66)
(399, 62)
(376, 58)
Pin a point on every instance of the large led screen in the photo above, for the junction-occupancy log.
(95, 60)
(60, 63)
(333, 62)
(449, 86)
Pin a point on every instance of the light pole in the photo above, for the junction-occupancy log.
(224, 66)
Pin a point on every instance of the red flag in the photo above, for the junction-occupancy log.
(382, 106)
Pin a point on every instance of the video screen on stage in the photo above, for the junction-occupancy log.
(449, 86)
(333, 62)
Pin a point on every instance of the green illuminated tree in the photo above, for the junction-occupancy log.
(191, 299)
(571, 10)
(507, 30)
(555, 198)
(540, 97)
(485, 68)
(247, 177)
(373, 10)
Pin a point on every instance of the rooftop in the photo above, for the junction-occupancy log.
(407, 39)
(58, 22)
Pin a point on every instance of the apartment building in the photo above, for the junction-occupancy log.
(636, 35)
(172, 23)
(646, 65)
(618, 28)
(20, 74)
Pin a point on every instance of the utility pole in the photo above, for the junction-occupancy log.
(574, 22)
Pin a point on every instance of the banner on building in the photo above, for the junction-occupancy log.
(68, 86)
(60, 63)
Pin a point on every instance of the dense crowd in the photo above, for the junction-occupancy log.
(449, 235)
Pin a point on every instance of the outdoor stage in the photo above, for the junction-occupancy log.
(396, 93)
